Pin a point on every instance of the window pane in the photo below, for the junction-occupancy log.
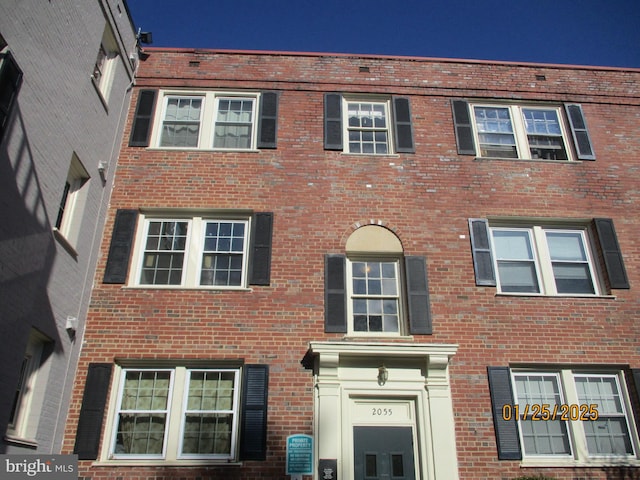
(512, 244)
(145, 390)
(495, 132)
(181, 125)
(162, 269)
(566, 246)
(541, 437)
(376, 307)
(368, 130)
(573, 278)
(544, 134)
(234, 123)
(602, 391)
(207, 434)
(608, 436)
(209, 414)
(360, 323)
(140, 431)
(211, 390)
(545, 437)
(222, 259)
(518, 277)
(141, 434)
(376, 315)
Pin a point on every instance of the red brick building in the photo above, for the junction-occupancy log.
(429, 266)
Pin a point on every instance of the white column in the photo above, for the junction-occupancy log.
(441, 417)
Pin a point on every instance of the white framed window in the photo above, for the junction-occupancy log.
(11, 76)
(375, 295)
(207, 120)
(181, 121)
(29, 393)
(575, 415)
(543, 260)
(177, 413)
(541, 437)
(198, 251)
(234, 123)
(71, 207)
(521, 131)
(106, 62)
(367, 126)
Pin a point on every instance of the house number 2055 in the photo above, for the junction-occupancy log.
(381, 412)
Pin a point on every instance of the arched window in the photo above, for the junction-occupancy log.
(374, 289)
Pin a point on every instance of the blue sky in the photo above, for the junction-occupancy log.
(578, 32)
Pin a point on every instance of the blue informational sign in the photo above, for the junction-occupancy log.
(299, 455)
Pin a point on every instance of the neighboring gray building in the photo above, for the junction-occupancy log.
(66, 72)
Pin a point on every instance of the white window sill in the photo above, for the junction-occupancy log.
(166, 463)
(185, 287)
(374, 336)
(543, 160)
(209, 150)
(564, 295)
(392, 155)
(570, 462)
(21, 442)
(62, 240)
(100, 93)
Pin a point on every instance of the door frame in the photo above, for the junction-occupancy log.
(345, 372)
(408, 404)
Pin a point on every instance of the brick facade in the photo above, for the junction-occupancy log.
(320, 197)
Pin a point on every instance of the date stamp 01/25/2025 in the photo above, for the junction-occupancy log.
(546, 412)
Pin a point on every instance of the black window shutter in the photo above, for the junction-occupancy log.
(268, 120)
(332, 121)
(120, 248)
(418, 295)
(253, 423)
(613, 262)
(141, 128)
(507, 438)
(10, 80)
(581, 138)
(463, 127)
(260, 261)
(335, 295)
(91, 417)
(481, 252)
(635, 376)
(402, 123)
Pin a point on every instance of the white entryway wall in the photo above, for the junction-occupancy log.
(351, 390)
